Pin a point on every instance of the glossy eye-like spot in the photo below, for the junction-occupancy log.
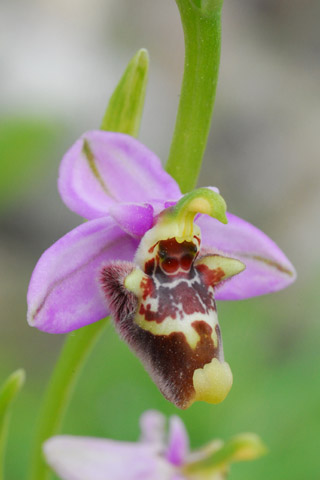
(193, 248)
(173, 255)
(162, 253)
(186, 261)
(170, 265)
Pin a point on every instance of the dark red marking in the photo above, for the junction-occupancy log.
(151, 249)
(173, 255)
(149, 266)
(166, 308)
(189, 299)
(206, 295)
(170, 265)
(184, 294)
(210, 277)
(186, 261)
(147, 287)
(198, 239)
(202, 328)
(191, 295)
(172, 248)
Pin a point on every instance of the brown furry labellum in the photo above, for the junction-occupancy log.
(166, 312)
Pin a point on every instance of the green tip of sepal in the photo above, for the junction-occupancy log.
(243, 447)
(202, 200)
(218, 455)
(142, 57)
(124, 111)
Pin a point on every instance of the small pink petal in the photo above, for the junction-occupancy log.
(178, 448)
(64, 292)
(134, 218)
(152, 424)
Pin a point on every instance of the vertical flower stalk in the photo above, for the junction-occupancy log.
(59, 392)
(201, 20)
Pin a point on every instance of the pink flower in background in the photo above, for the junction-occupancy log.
(156, 456)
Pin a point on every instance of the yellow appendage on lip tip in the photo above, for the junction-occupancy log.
(213, 382)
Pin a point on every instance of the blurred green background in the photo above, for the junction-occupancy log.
(60, 63)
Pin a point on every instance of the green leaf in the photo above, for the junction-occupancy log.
(24, 147)
(125, 107)
(7, 394)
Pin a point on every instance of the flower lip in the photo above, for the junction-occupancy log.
(174, 326)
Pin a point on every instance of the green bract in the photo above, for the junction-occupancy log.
(125, 107)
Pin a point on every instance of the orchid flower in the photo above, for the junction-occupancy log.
(154, 457)
(156, 260)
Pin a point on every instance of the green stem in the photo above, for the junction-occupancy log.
(60, 389)
(201, 21)
(3, 441)
(8, 392)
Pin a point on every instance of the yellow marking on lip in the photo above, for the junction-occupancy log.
(169, 325)
(212, 383)
(133, 281)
